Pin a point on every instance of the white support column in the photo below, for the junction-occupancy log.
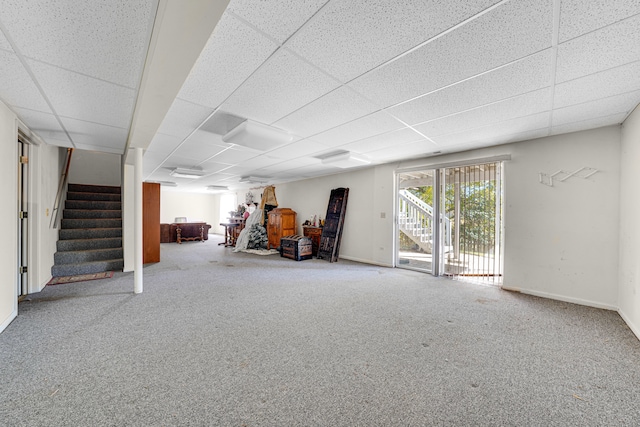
(137, 287)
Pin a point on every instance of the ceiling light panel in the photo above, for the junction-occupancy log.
(107, 40)
(592, 110)
(348, 38)
(103, 138)
(614, 81)
(519, 106)
(333, 109)
(85, 98)
(514, 30)
(606, 48)
(279, 19)
(284, 84)
(18, 89)
(365, 127)
(523, 76)
(578, 17)
(221, 58)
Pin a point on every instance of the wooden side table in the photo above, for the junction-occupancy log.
(314, 233)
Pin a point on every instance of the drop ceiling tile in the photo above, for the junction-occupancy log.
(179, 162)
(101, 137)
(361, 128)
(498, 138)
(578, 17)
(606, 48)
(232, 156)
(514, 30)
(107, 39)
(335, 108)
(163, 144)
(614, 81)
(496, 133)
(197, 150)
(409, 150)
(349, 38)
(150, 162)
(213, 166)
(613, 119)
(600, 108)
(260, 162)
(220, 69)
(44, 124)
(277, 18)
(297, 149)
(523, 76)
(519, 106)
(18, 90)
(85, 98)
(4, 43)
(284, 84)
(183, 118)
(385, 140)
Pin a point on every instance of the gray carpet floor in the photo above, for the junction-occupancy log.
(235, 339)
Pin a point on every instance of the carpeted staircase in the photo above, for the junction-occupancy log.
(90, 238)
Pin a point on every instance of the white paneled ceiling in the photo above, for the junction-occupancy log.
(388, 80)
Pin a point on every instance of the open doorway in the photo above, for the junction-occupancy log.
(450, 221)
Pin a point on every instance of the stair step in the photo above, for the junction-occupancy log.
(92, 204)
(86, 244)
(89, 233)
(91, 213)
(91, 223)
(86, 188)
(72, 195)
(77, 257)
(87, 267)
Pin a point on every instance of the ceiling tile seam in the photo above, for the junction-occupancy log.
(93, 123)
(555, 37)
(599, 72)
(32, 76)
(414, 129)
(598, 99)
(600, 28)
(450, 85)
(591, 120)
(432, 39)
(488, 126)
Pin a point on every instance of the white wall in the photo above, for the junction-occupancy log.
(194, 206)
(45, 163)
(92, 167)
(629, 268)
(8, 216)
(560, 242)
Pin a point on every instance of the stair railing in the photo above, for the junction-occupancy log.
(416, 214)
(62, 189)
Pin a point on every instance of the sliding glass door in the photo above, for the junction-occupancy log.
(450, 221)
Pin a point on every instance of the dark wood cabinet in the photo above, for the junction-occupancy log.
(281, 222)
(314, 233)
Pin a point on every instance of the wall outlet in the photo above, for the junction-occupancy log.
(383, 215)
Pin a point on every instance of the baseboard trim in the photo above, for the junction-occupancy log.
(630, 324)
(557, 297)
(365, 261)
(8, 320)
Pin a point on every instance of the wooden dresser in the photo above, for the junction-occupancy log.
(281, 222)
(314, 233)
